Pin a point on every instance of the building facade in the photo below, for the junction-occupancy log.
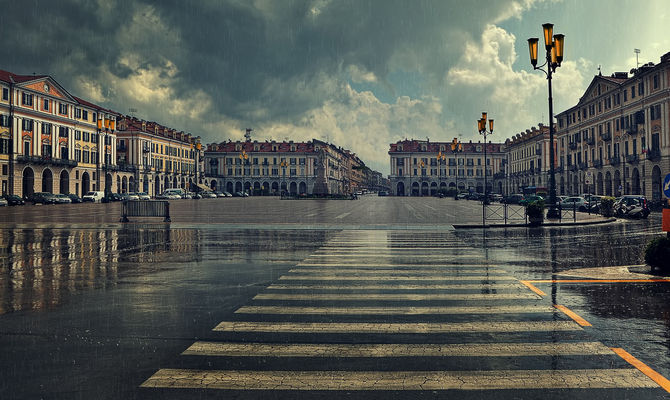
(528, 160)
(50, 140)
(152, 158)
(615, 141)
(422, 168)
(271, 167)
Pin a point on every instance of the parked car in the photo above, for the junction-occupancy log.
(187, 195)
(576, 202)
(593, 203)
(143, 196)
(208, 195)
(74, 198)
(496, 197)
(219, 194)
(94, 196)
(14, 200)
(171, 194)
(3, 202)
(42, 198)
(514, 198)
(132, 196)
(228, 194)
(382, 193)
(531, 198)
(462, 195)
(62, 199)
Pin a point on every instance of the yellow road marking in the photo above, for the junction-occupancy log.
(394, 310)
(419, 327)
(581, 321)
(345, 277)
(456, 286)
(655, 376)
(531, 287)
(399, 380)
(395, 296)
(396, 350)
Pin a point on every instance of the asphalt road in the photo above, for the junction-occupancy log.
(375, 298)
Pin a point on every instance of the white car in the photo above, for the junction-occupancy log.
(208, 195)
(574, 202)
(95, 197)
(143, 196)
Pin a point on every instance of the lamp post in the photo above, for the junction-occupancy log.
(441, 158)
(481, 125)
(456, 147)
(554, 47)
(245, 158)
(283, 164)
(422, 165)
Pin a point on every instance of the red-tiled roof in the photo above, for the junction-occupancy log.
(263, 147)
(8, 77)
(92, 105)
(415, 146)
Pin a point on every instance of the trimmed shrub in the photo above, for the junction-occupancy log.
(657, 254)
(607, 206)
(535, 212)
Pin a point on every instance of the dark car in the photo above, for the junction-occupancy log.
(74, 198)
(115, 197)
(514, 198)
(382, 193)
(14, 200)
(42, 198)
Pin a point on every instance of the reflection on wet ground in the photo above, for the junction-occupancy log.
(39, 267)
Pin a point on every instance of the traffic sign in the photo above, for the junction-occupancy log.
(666, 186)
(589, 178)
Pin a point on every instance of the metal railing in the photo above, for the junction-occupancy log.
(146, 208)
(505, 214)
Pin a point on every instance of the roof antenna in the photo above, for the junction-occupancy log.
(637, 61)
(600, 73)
(247, 135)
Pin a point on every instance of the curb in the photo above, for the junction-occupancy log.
(550, 224)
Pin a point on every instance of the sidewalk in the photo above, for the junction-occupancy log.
(581, 219)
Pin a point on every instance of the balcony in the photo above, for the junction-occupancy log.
(121, 148)
(583, 165)
(538, 170)
(614, 160)
(632, 158)
(46, 160)
(631, 131)
(654, 154)
(499, 175)
(538, 152)
(590, 141)
(607, 136)
(573, 145)
(146, 149)
(572, 168)
(598, 163)
(127, 167)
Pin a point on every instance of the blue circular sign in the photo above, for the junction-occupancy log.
(666, 186)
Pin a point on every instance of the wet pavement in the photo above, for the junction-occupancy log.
(375, 298)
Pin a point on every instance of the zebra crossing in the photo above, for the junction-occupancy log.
(394, 312)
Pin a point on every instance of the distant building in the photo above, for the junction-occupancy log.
(618, 134)
(50, 140)
(528, 160)
(152, 158)
(270, 167)
(417, 171)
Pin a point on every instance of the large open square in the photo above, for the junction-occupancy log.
(374, 298)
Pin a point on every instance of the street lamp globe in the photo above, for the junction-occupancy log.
(532, 46)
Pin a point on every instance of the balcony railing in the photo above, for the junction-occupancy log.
(46, 160)
(631, 158)
(654, 154)
(572, 168)
(127, 167)
(598, 163)
(607, 136)
(558, 170)
(499, 175)
(614, 160)
(631, 131)
(590, 141)
(573, 145)
(583, 165)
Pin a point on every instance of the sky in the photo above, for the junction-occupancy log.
(358, 73)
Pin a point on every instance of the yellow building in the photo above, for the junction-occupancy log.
(49, 139)
(152, 158)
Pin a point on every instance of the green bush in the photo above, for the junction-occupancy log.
(607, 206)
(657, 254)
(535, 211)
(542, 194)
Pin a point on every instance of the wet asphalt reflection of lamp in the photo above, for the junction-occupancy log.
(554, 47)
(456, 147)
(481, 125)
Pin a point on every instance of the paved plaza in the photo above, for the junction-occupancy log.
(374, 298)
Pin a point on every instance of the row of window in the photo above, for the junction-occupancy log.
(263, 172)
(27, 99)
(256, 161)
(443, 172)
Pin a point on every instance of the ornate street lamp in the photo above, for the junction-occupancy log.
(456, 147)
(481, 126)
(245, 159)
(554, 47)
(283, 166)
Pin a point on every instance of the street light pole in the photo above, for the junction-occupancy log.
(456, 147)
(481, 124)
(554, 47)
